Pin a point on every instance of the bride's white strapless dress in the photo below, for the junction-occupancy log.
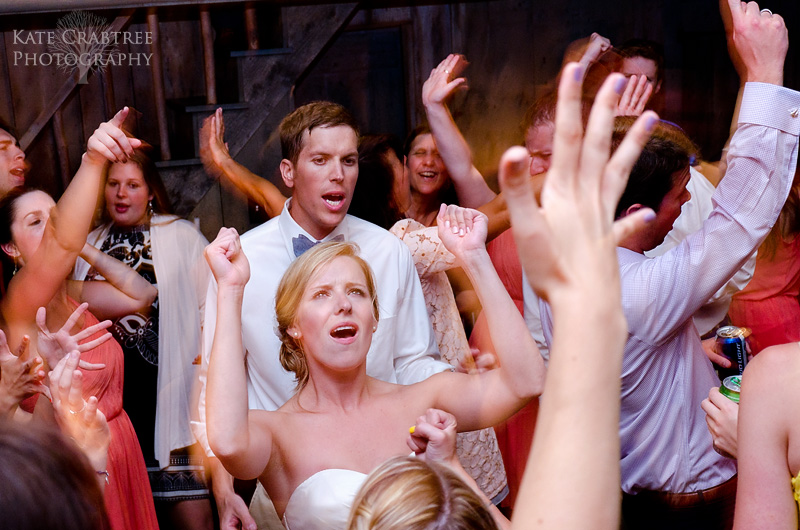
(323, 500)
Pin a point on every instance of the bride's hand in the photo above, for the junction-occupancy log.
(462, 230)
(226, 259)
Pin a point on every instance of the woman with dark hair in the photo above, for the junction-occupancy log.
(381, 195)
(428, 177)
(161, 341)
(44, 239)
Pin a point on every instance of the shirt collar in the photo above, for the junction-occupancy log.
(289, 228)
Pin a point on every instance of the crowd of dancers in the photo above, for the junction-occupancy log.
(546, 353)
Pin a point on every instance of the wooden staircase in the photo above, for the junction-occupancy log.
(266, 79)
(263, 84)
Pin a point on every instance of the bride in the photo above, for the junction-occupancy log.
(314, 452)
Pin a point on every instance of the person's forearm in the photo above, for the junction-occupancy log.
(99, 461)
(471, 188)
(497, 515)
(259, 190)
(8, 405)
(221, 480)
(499, 219)
(226, 393)
(124, 278)
(723, 160)
(76, 207)
(577, 430)
(520, 363)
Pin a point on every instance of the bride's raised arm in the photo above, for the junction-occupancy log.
(241, 444)
(485, 399)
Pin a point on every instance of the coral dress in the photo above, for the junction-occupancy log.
(769, 305)
(515, 436)
(128, 498)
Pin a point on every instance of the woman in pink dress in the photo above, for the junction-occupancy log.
(769, 305)
(42, 243)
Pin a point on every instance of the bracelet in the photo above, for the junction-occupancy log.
(104, 472)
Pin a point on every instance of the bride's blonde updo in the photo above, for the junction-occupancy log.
(290, 293)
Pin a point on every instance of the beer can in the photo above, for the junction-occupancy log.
(732, 344)
(731, 387)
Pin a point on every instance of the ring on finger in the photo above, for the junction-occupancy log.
(446, 71)
(767, 11)
(75, 412)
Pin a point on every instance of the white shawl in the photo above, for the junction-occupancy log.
(182, 276)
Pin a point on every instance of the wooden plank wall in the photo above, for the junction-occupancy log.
(514, 46)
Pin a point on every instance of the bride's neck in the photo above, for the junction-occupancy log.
(345, 393)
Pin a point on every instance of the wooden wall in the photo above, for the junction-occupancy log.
(377, 67)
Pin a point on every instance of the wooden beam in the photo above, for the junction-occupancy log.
(107, 83)
(63, 93)
(158, 85)
(207, 35)
(55, 6)
(61, 148)
(267, 79)
(251, 26)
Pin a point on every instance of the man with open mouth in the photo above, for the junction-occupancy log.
(13, 168)
(12, 163)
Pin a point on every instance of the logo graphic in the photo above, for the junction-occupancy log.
(81, 41)
(85, 41)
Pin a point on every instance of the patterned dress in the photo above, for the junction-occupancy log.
(184, 478)
(477, 450)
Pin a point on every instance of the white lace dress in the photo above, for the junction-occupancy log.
(477, 450)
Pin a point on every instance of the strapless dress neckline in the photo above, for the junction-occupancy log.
(323, 500)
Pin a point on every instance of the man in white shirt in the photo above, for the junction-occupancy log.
(671, 475)
(320, 148)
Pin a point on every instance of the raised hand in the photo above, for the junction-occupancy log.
(55, 346)
(637, 94)
(570, 241)
(109, 142)
(19, 379)
(597, 45)
(444, 80)
(80, 419)
(761, 41)
(462, 230)
(434, 437)
(226, 259)
(213, 149)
